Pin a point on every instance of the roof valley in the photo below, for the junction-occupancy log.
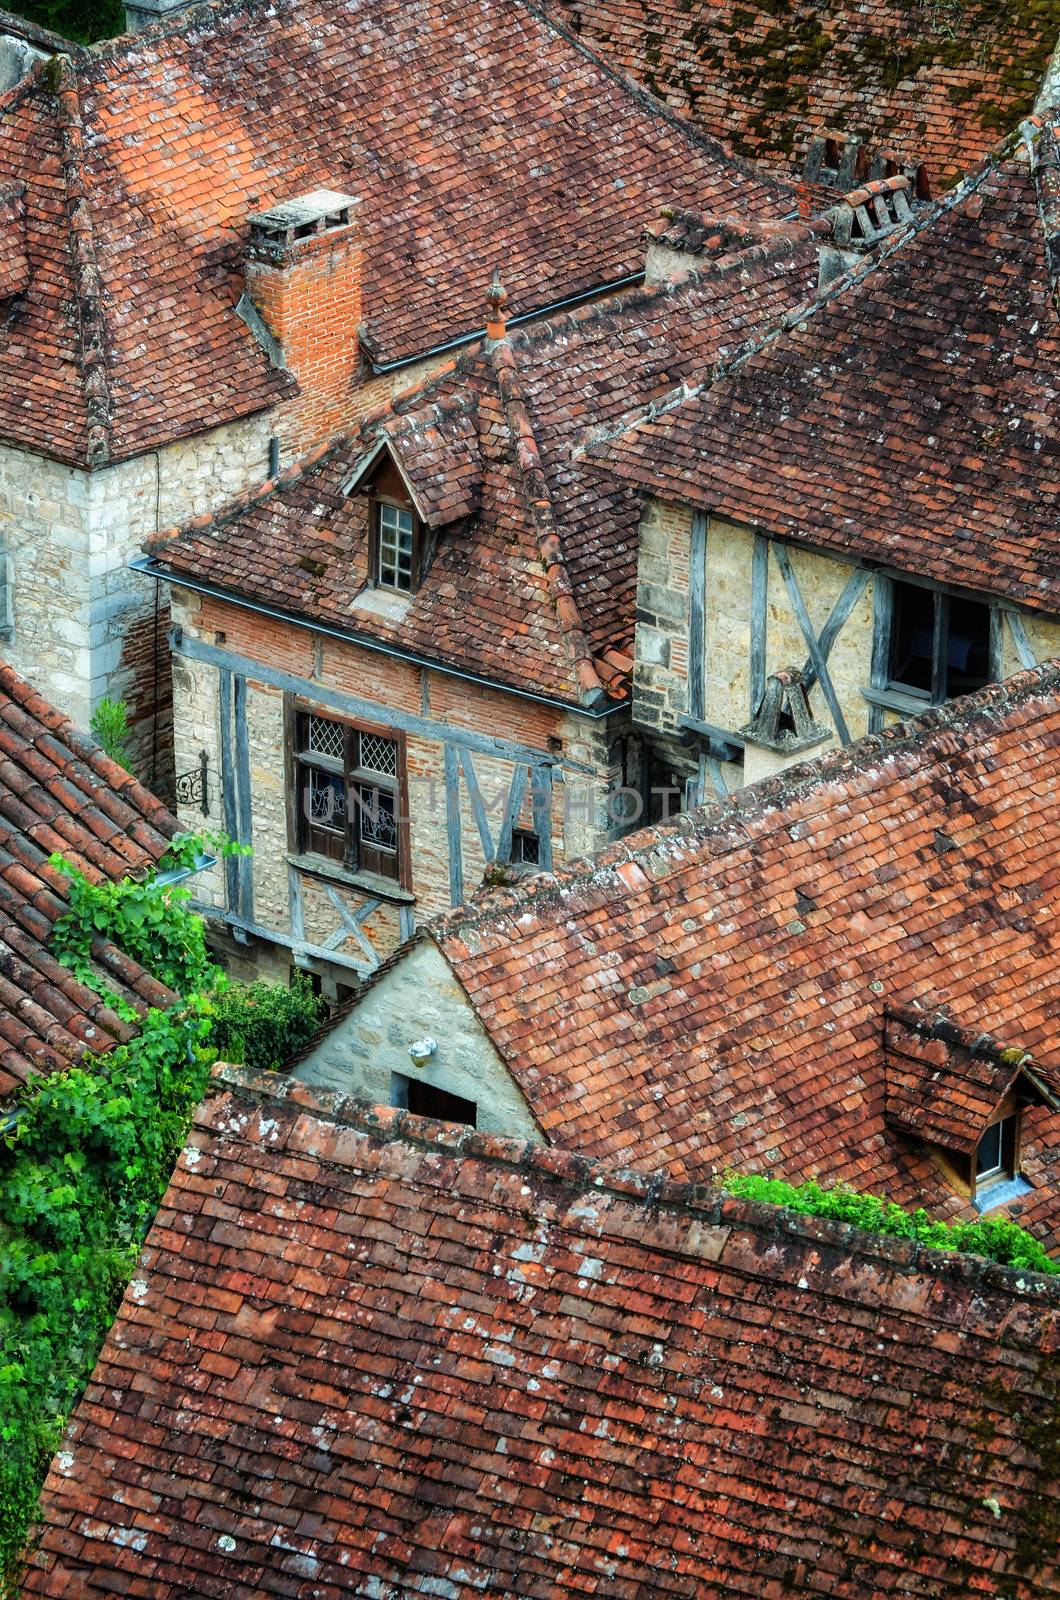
(88, 282)
(539, 504)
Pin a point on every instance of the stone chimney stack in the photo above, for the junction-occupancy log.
(303, 303)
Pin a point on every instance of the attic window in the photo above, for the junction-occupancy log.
(424, 1100)
(997, 1155)
(526, 848)
(940, 645)
(397, 547)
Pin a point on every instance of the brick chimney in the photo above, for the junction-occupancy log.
(303, 303)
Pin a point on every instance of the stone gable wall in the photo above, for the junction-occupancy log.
(420, 998)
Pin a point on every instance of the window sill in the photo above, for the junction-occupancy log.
(370, 882)
(907, 705)
(1000, 1193)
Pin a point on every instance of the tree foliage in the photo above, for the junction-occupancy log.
(82, 21)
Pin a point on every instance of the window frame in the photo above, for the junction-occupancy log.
(942, 602)
(358, 856)
(406, 1088)
(1008, 1165)
(376, 505)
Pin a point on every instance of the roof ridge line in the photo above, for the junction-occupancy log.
(768, 795)
(591, 690)
(88, 281)
(655, 1191)
(1045, 174)
(795, 316)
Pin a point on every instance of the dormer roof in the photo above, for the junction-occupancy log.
(946, 1083)
(532, 581)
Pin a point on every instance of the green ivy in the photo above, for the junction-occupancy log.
(87, 1157)
(995, 1237)
(81, 1173)
(150, 921)
(82, 21)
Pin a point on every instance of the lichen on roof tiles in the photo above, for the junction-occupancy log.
(375, 1355)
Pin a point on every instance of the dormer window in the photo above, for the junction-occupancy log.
(997, 1154)
(396, 555)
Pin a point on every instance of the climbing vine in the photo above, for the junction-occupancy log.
(87, 1155)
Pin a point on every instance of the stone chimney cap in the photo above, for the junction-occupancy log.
(304, 217)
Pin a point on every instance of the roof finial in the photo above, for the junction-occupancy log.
(496, 308)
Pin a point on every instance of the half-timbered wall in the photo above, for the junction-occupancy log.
(479, 763)
(721, 607)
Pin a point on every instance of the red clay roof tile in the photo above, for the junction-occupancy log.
(933, 87)
(786, 922)
(534, 575)
(369, 1355)
(58, 791)
(911, 416)
(471, 132)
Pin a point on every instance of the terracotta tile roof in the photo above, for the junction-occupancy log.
(712, 993)
(935, 87)
(471, 132)
(534, 583)
(912, 415)
(945, 1083)
(369, 1355)
(59, 792)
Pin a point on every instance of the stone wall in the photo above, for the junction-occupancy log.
(661, 671)
(84, 625)
(420, 998)
(288, 894)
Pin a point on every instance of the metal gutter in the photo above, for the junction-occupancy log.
(146, 565)
(630, 281)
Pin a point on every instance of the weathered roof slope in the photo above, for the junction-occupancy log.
(713, 993)
(935, 84)
(369, 1355)
(59, 792)
(472, 132)
(534, 552)
(912, 415)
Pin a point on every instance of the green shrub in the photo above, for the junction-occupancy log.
(110, 727)
(995, 1237)
(264, 1024)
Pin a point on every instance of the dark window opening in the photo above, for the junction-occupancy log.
(348, 795)
(940, 645)
(424, 1100)
(526, 848)
(996, 1157)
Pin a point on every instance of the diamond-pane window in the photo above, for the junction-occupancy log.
(378, 755)
(348, 795)
(326, 738)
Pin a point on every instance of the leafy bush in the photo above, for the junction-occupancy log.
(996, 1237)
(110, 727)
(263, 1024)
(83, 21)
